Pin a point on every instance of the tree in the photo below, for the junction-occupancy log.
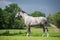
(37, 14)
(12, 9)
(3, 19)
(55, 18)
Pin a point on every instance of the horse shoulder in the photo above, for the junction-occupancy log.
(27, 20)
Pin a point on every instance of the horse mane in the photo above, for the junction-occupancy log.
(25, 12)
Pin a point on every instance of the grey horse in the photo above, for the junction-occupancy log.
(30, 20)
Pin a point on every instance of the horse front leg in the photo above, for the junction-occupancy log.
(28, 30)
(43, 31)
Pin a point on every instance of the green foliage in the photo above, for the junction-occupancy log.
(3, 19)
(55, 18)
(7, 17)
(12, 8)
(19, 24)
(37, 14)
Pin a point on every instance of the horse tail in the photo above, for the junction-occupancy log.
(52, 25)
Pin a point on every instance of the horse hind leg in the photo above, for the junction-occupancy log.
(45, 31)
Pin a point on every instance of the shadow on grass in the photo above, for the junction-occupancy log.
(6, 33)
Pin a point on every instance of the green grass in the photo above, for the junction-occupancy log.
(27, 38)
(36, 33)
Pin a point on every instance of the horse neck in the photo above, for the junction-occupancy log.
(24, 15)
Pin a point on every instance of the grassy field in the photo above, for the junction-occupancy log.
(36, 33)
(27, 38)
